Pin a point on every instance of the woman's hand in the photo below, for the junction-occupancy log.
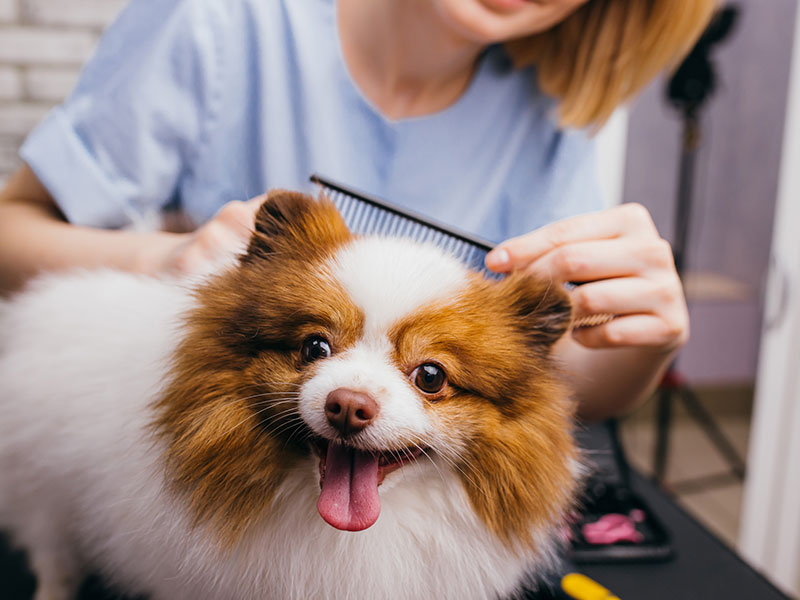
(624, 267)
(210, 248)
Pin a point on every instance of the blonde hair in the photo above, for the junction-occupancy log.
(608, 50)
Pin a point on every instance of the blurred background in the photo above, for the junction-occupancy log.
(742, 259)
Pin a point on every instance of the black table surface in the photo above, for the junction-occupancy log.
(703, 567)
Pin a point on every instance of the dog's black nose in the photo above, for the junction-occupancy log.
(349, 411)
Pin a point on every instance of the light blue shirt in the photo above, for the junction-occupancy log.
(198, 102)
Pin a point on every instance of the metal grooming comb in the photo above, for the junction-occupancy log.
(367, 215)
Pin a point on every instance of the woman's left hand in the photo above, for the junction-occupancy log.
(624, 267)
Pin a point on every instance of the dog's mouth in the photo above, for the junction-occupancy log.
(349, 480)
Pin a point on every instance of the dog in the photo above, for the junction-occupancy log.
(333, 417)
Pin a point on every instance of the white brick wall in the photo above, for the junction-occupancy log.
(43, 44)
(10, 83)
(9, 160)
(9, 11)
(32, 45)
(18, 118)
(49, 84)
(86, 13)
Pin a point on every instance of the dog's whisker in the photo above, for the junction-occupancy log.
(299, 428)
(280, 426)
(421, 448)
(452, 462)
(283, 412)
(277, 403)
(254, 396)
(474, 483)
(242, 422)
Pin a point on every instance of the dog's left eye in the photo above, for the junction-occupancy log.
(429, 377)
(314, 348)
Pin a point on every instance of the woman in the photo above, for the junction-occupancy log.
(468, 110)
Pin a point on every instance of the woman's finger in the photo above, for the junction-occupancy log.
(626, 296)
(603, 259)
(239, 216)
(625, 219)
(663, 333)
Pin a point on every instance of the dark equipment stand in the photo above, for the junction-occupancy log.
(691, 85)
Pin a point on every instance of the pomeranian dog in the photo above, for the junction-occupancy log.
(333, 417)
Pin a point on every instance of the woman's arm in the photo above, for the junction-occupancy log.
(34, 237)
(625, 269)
(609, 382)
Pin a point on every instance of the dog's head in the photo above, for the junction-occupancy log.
(367, 355)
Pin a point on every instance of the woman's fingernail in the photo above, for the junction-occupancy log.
(498, 258)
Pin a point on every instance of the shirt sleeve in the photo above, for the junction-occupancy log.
(113, 153)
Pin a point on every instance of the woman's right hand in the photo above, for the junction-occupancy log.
(212, 247)
(35, 238)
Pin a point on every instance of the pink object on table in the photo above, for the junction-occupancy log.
(610, 529)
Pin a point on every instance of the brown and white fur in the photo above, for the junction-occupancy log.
(169, 435)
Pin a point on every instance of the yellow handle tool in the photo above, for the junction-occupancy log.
(581, 587)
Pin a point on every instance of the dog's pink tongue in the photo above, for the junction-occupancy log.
(349, 498)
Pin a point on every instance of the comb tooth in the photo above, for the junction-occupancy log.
(339, 200)
(351, 211)
(413, 231)
(427, 233)
(452, 246)
(458, 247)
(468, 257)
(424, 232)
(369, 222)
(389, 225)
(367, 216)
(471, 257)
(474, 259)
(350, 220)
(466, 252)
(395, 226)
(383, 217)
(345, 206)
(381, 222)
(444, 242)
(358, 217)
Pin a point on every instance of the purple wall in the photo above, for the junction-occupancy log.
(736, 184)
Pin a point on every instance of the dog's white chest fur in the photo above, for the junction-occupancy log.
(82, 479)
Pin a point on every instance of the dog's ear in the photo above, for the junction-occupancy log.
(295, 224)
(542, 308)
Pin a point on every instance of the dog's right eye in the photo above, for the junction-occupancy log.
(314, 348)
(429, 377)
